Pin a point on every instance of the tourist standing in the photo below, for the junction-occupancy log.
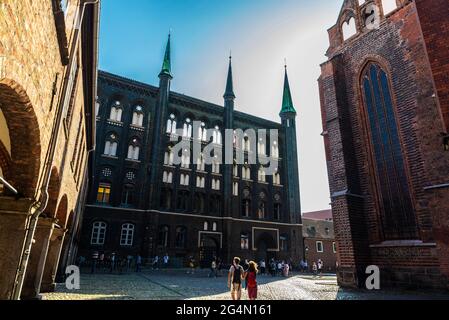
(213, 269)
(251, 280)
(314, 269)
(262, 267)
(156, 263)
(235, 277)
(320, 267)
(138, 263)
(166, 260)
(286, 270)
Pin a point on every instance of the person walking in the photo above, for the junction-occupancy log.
(251, 280)
(286, 270)
(94, 261)
(315, 269)
(156, 263)
(235, 277)
(213, 269)
(320, 267)
(166, 260)
(113, 262)
(262, 267)
(191, 265)
(138, 263)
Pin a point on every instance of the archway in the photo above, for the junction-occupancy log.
(265, 245)
(24, 133)
(209, 249)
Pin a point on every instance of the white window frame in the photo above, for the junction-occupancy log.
(322, 247)
(98, 236)
(127, 232)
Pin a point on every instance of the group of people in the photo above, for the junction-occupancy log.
(239, 276)
(158, 262)
(112, 263)
(317, 267)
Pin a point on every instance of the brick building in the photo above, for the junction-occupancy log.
(385, 109)
(319, 241)
(142, 203)
(48, 63)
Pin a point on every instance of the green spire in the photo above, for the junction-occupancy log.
(166, 66)
(287, 102)
(229, 93)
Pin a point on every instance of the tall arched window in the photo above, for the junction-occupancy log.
(217, 135)
(128, 196)
(98, 233)
(111, 144)
(134, 150)
(244, 241)
(171, 124)
(116, 112)
(138, 117)
(169, 158)
(395, 201)
(201, 163)
(199, 203)
(127, 235)
(275, 150)
(202, 132)
(163, 236)
(262, 175)
(187, 129)
(181, 236)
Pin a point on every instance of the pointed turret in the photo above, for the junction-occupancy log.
(229, 93)
(290, 146)
(166, 66)
(287, 101)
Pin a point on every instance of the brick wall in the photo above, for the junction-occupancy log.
(398, 46)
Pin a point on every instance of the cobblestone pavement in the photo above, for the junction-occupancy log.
(178, 285)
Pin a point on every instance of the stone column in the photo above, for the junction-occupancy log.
(13, 218)
(36, 264)
(52, 262)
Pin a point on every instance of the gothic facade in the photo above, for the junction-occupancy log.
(142, 202)
(384, 98)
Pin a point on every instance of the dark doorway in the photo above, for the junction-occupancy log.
(265, 245)
(208, 251)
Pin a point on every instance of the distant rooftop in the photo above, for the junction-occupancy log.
(319, 215)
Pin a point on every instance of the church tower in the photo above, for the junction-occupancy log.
(290, 151)
(158, 147)
(229, 98)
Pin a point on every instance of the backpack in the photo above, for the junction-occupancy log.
(237, 274)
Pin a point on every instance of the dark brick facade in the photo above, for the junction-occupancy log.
(216, 226)
(414, 63)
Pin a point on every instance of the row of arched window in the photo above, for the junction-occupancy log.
(111, 146)
(216, 168)
(217, 138)
(116, 114)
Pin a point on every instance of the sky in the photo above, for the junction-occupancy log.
(260, 33)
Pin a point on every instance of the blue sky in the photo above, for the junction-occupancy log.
(260, 33)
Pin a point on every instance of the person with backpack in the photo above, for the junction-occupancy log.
(235, 277)
(251, 280)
